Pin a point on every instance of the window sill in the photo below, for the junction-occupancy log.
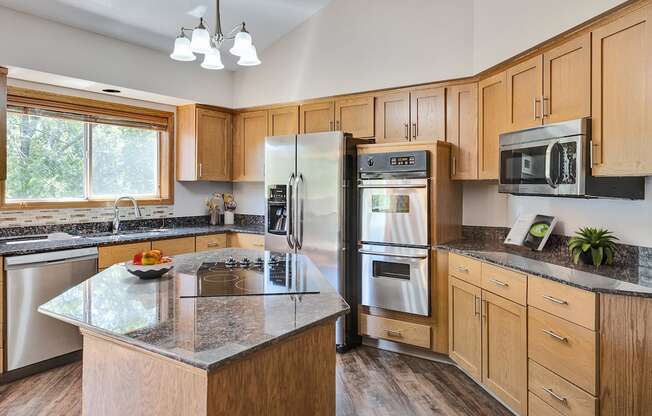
(79, 204)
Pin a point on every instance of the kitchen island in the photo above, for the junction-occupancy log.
(152, 347)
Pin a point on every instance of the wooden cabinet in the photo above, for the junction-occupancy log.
(504, 350)
(395, 330)
(622, 96)
(465, 268)
(210, 242)
(465, 326)
(524, 93)
(462, 130)
(492, 117)
(174, 246)
(355, 115)
(572, 304)
(567, 81)
(242, 240)
(428, 114)
(393, 117)
(558, 393)
(506, 283)
(317, 117)
(110, 255)
(283, 121)
(249, 146)
(204, 144)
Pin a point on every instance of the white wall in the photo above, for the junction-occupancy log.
(504, 28)
(631, 221)
(250, 197)
(361, 45)
(41, 45)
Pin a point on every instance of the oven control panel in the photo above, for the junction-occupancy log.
(393, 163)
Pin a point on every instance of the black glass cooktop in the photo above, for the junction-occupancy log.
(245, 277)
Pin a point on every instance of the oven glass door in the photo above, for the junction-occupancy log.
(394, 211)
(395, 278)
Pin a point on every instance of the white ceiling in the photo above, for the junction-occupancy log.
(155, 23)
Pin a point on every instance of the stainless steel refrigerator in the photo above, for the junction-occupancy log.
(311, 209)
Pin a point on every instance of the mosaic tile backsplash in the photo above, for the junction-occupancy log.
(39, 217)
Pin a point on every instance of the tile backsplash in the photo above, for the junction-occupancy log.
(37, 217)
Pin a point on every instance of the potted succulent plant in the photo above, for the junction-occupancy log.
(594, 246)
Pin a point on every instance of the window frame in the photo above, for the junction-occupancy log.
(102, 109)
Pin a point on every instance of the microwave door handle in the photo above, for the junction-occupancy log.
(290, 215)
(549, 150)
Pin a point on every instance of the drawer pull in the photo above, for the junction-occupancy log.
(394, 333)
(555, 395)
(498, 282)
(213, 245)
(555, 336)
(462, 269)
(555, 300)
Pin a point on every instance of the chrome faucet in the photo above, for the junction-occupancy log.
(116, 212)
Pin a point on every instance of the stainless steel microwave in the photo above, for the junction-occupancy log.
(555, 160)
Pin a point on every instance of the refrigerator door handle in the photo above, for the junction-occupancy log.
(290, 218)
(299, 214)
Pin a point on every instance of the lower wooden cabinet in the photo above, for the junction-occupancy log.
(465, 326)
(504, 350)
(395, 330)
(242, 240)
(110, 255)
(210, 242)
(561, 395)
(537, 407)
(175, 246)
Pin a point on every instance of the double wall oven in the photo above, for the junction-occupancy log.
(394, 231)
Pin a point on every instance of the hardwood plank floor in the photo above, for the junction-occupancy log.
(370, 382)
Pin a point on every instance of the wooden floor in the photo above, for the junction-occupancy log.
(369, 382)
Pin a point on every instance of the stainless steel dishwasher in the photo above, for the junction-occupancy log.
(31, 281)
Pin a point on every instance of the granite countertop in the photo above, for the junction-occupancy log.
(633, 278)
(206, 332)
(104, 239)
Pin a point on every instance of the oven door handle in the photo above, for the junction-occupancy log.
(405, 256)
(391, 186)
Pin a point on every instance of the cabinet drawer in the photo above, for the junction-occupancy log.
(394, 330)
(210, 242)
(537, 407)
(506, 283)
(175, 246)
(561, 395)
(563, 347)
(250, 241)
(464, 268)
(110, 255)
(575, 305)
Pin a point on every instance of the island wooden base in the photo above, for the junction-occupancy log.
(294, 377)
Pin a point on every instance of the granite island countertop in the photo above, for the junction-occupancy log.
(105, 239)
(625, 278)
(204, 332)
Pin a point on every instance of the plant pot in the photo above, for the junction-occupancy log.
(587, 258)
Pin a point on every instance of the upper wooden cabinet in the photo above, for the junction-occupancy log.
(317, 117)
(622, 96)
(567, 81)
(249, 146)
(204, 140)
(415, 115)
(283, 121)
(462, 126)
(524, 93)
(492, 117)
(355, 115)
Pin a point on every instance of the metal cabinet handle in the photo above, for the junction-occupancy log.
(337, 125)
(290, 215)
(555, 336)
(555, 300)
(476, 310)
(407, 133)
(414, 131)
(555, 395)
(213, 245)
(394, 333)
(484, 309)
(534, 106)
(454, 166)
(498, 282)
(331, 125)
(462, 269)
(200, 169)
(543, 106)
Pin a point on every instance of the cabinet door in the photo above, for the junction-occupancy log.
(622, 96)
(213, 145)
(249, 147)
(465, 329)
(393, 117)
(462, 124)
(428, 114)
(504, 350)
(317, 117)
(355, 115)
(283, 121)
(492, 115)
(567, 81)
(524, 92)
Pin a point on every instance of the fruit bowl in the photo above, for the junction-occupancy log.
(149, 271)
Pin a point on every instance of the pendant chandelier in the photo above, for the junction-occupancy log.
(201, 42)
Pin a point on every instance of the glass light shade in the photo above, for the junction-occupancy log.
(212, 60)
(182, 50)
(250, 58)
(201, 40)
(241, 44)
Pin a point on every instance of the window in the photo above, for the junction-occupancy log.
(58, 156)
